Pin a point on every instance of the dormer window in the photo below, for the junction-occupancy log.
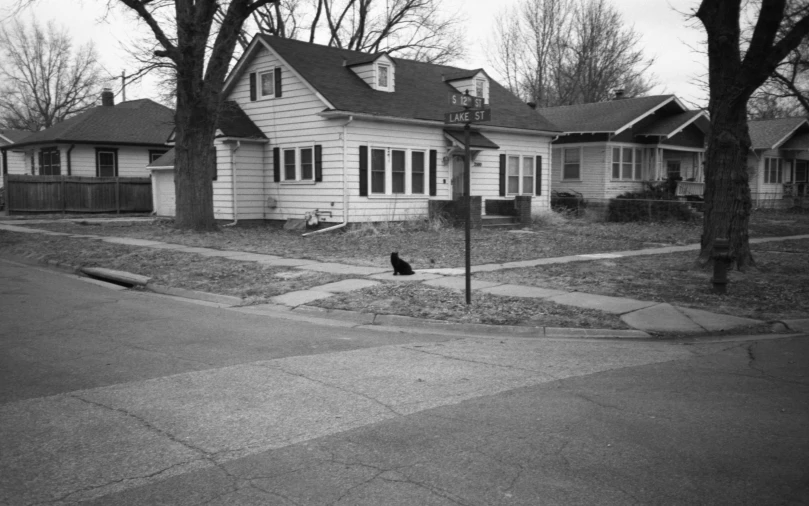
(377, 70)
(383, 76)
(267, 84)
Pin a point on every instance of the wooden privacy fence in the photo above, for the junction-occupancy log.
(77, 194)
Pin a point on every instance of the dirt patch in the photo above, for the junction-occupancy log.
(435, 303)
(778, 287)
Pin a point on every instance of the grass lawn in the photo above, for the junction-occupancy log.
(773, 290)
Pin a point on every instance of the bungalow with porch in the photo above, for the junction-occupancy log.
(355, 137)
(778, 162)
(609, 148)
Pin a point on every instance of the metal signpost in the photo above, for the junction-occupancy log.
(474, 112)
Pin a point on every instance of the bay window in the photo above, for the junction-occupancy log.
(627, 164)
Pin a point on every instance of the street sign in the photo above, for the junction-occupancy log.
(469, 116)
(468, 101)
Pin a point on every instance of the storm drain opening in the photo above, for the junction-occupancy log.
(120, 278)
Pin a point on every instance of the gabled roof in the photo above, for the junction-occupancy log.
(421, 92)
(605, 117)
(12, 136)
(772, 133)
(234, 122)
(137, 122)
(671, 125)
(363, 58)
(165, 160)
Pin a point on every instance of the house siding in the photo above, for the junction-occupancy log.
(593, 173)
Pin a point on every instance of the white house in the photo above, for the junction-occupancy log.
(361, 137)
(106, 141)
(778, 163)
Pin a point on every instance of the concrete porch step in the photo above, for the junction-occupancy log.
(499, 221)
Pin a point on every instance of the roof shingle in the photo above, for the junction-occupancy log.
(768, 134)
(421, 92)
(602, 117)
(137, 122)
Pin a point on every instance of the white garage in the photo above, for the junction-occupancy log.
(163, 196)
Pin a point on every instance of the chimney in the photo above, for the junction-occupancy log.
(532, 105)
(107, 98)
(619, 93)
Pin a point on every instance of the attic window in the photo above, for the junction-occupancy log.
(479, 87)
(267, 80)
(382, 76)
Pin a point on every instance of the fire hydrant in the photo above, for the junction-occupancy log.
(721, 261)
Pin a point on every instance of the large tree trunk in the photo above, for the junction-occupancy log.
(195, 129)
(727, 192)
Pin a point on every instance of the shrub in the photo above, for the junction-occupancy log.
(568, 202)
(656, 203)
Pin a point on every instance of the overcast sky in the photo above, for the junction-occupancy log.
(666, 34)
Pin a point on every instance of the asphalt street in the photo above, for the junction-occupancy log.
(121, 397)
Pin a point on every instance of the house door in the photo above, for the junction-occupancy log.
(457, 177)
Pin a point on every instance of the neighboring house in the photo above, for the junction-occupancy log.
(778, 162)
(10, 160)
(609, 148)
(361, 137)
(106, 141)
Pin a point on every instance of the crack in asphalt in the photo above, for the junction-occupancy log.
(332, 385)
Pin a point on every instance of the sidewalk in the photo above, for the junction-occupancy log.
(644, 316)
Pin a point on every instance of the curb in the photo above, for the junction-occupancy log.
(359, 319)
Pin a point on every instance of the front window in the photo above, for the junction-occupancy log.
(267, 83)
(290, 166)
(627, 163)
(520, 174)
(383, 76)
(49, 164)
(378, 171)
(571, 163)
(106, 164)
(773, 170)
(298, 164)
(398, 171)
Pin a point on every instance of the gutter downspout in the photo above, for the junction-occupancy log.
(233, 149)
(345, 185)
(69, 166)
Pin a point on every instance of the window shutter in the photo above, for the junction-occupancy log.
(277, 82)
(363, 171)
(40, 165)
(252, 86)
(433, 173)
(276, 165)
(538, 175)
(318, 162)
(502, 175)
(215, 168)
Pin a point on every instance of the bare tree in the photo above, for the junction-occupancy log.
(44, 81)
(560, 52)
(200, 58)
(786, 92)
(733, 76)
(415, 29)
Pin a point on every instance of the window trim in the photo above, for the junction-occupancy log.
(50, 151)
(114, 152)
(562, 163)
(259, 80)
(408, 172)
(637, 175)
(520, 175)
(778, 170)
(298, 165)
